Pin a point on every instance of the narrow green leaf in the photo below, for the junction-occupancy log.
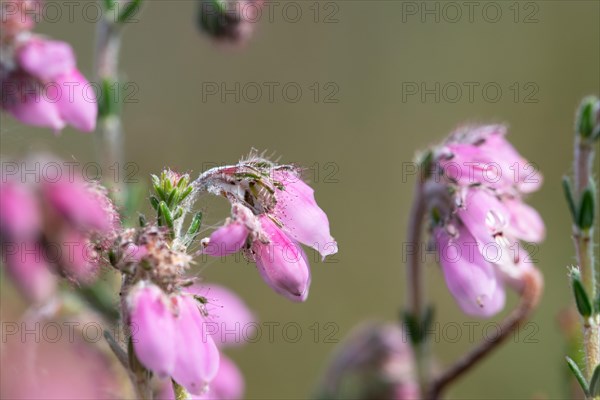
(566, 184)
(142, 220)
(186, 193)
(171, 197)
(195, 224)
(154, 202)
(129, 11)
(586, 117)
(418, 328)
(585, 219)
(594, 388)
(584, 306)
(165, 214)
(578, 375)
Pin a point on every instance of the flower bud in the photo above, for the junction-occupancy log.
(374, 362)
(587, 123)
(229, 21)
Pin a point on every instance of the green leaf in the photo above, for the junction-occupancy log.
(165, 214)
(154, 202)
(171, 197)
(418, 328)
(129, 11)
(195, 224)
(594, 389)
(584, 306)
(585, 219)
(566, 184)
(142, 220)
(586, 118)
(578, 375)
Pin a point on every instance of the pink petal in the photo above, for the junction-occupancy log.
(78, 203)
(33, 107)
(228, 239)
(282, 262)
(153, 329)
(228, 384)
(79, 260)
(525, 222)
(470, 278)
(302, 218)
(19, 213)
(197, 356)
(46, 59)
(76, 103)
(27, 266)
(228, 315)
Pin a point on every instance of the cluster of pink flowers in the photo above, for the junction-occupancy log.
(272, 211)
(40, 82)
(60, 224)
(479, 216)
(169, 317)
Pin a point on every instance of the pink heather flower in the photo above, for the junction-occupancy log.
(228, 239)
(272, 210)
(19, 213)
(197, 356)
(86, 207)
(68, 223)
(227, 314)
(482, 155)
(228, 384)
(153, 329)
(28, 268)
(281, 262)
(169, 337)
(302, 218)
(479, 221)
(44, 88)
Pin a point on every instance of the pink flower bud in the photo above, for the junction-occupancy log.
(300, 215)
(227, 239)
(197, 356)
(282, 262)
(46, 59)
(375, 361)
(153, 329)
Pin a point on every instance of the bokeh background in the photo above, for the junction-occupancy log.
(544, 55)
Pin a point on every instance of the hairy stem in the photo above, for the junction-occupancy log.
(415, 285)
(584, 249)
(109, 132)
(530, 293)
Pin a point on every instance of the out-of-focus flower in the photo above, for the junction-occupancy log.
(41, 85)
(230, 21)
(62, 225)
(18, 15)
(479, 216)
(272, 210)
(375, 361)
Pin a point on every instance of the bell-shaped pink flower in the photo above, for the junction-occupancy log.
(46, 89)
(26, 264)
(153, 329)
(282, 262)
(80, 204)
(300, 215)
(19, 212)
(196, 354)
(228, 384)
(525, 222)
(482, 155)
(471, 279)
(228, 239)
(227, 314)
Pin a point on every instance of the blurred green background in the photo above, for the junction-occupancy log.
(545, 56)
